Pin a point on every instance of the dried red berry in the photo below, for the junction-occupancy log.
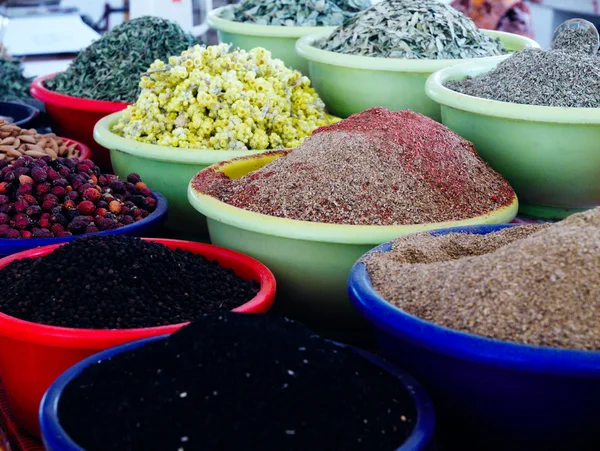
(42, 188)
(86, 207)
(127, 220)
(92, 194)
(21, 205)
(22, 223)
(12, 233)
(23, 179)
(25, 189)
(69, 204)
(56, 229)
(4, 187)
(42, 233)
(49, 204)
(53, 175)
(39, 174)
(58, 191)
(4, 218)
(31, 200)
(141, 185)
(26, 234)
(91, 229)
(115, 207)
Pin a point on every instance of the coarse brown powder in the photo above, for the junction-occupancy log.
(535, 285)
(374, 168)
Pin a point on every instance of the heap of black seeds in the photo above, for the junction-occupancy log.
(234, 381)
(119, 282)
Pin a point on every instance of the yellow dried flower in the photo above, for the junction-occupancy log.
(214, 98)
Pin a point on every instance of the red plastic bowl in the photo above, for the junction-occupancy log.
(76, 117)
(33, 355)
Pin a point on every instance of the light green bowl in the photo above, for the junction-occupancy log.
(279, 40)
(549, 155)
(350, 84)
(311, 261)
(168, 170)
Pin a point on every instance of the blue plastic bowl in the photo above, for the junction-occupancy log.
(56, 439)
(488, 394)
(145, 227)
(23, 115)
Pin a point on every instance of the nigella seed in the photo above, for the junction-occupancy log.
(150, 284)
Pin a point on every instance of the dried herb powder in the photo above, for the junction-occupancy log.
(295, 13)
(553, 78)
(534, 285)
(235, 381)
(374, 168)
(13, 84)
(219, 98)
(412, 29)
(110, 68)
(118, 282)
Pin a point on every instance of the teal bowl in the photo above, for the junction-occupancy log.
(279, 40)
(350, 84)
(168, 170)
(311, 261)
(549, 155)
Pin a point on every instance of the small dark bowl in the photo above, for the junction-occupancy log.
(22, 115)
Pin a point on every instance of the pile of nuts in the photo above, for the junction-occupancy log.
(46, 198)
(16, 142)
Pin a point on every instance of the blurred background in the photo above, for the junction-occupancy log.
(48, 33)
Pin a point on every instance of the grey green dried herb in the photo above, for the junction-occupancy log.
(539, 77)
(412, 29)
(295, 13)
(13, 84)
(110, 68)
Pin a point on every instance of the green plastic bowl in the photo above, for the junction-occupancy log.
(350, 84)
(549, 155)
(168, 170)
(311, 261)
(279, 40)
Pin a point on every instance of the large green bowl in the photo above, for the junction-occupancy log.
(350, 84)
(168, 170)
(311, 261)
(549, 155)
(279, 40)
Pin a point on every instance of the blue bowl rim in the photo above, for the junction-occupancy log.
(52, 431)
(32, 111)
(457, 344)
(162, 206)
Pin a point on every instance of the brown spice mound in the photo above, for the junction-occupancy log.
(374, 168)
(535, 285)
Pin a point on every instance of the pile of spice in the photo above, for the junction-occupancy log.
(16, 142)
(13, 84)
(374, 168)
(301, 13)
(218, 98)
(233, 381)
(576, 36)
(533, 284)
(46, 198)
(559, 77)
(119, 282)
(412, 29)
(110, 68)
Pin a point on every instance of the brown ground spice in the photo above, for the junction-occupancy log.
(374, 168)
(530, 284)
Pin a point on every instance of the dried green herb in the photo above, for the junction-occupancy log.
(13, 84)
(110, 68)
(295, 13)
(412, 29)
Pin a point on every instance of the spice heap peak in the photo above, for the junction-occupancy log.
(217, 98)
(412, 29)
(374, 168)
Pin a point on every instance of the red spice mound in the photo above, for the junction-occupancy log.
(374, 168)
